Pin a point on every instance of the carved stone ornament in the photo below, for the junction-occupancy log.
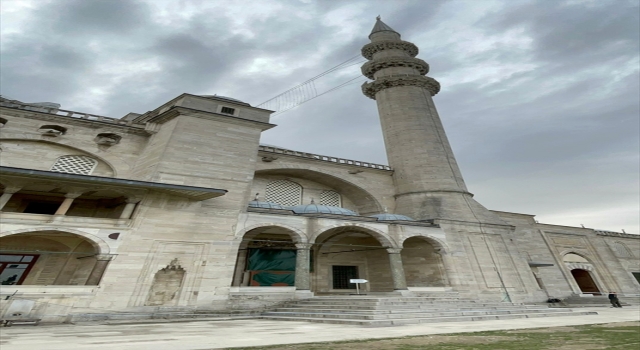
(369, 68)
(269, 159)
(370, 49)
(107, 139)
(371, 89)
(52, 130)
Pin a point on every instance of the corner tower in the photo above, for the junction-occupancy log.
(428, 182)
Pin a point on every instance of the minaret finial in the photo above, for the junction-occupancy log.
(382, 27)
(312, 201)
(256, 197)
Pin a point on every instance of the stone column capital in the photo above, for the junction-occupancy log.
(133, 200)
(394, 250)
(304, 246)
(73, 195)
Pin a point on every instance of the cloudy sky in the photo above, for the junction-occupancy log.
(540, 99)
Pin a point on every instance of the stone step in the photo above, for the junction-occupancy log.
(378, 299)
(347, 309)
(407, 315)
(371, 302)
(434, 305)
(405, 321)
(411, 306)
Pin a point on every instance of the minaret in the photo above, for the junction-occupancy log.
(428, 182)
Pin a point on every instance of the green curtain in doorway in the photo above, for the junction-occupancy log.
(272, 267)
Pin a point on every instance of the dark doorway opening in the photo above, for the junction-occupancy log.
(585, 281)
(48, 208)
(342, 275)
(637, 276)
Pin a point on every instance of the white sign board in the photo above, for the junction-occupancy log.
(358, 281)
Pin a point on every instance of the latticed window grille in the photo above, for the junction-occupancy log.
(330, 198)
(82, 165)
(283, 192)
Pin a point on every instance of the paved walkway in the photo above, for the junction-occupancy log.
(201, 335)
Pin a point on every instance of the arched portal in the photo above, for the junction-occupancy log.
(266, 258)
(352, 252)
(583, 272)
(585, 281)
(49, 258)
(423, 265)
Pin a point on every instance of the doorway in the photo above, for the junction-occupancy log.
(585, 281)
(341, 276)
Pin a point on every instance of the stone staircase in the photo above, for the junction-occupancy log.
(577, 301)
(381, 311)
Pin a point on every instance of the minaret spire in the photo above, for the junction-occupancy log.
(428, 182)
(381, 27)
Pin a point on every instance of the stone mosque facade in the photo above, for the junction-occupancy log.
(182, 208)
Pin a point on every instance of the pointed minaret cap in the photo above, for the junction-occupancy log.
(381, 27)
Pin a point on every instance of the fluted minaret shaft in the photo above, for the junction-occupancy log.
(416, 143)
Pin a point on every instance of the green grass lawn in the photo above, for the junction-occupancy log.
(615, 336)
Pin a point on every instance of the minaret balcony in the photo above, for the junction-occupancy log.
(371, 89)
(372, 48)
(371, 67)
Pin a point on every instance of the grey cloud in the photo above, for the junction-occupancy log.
(96, 17)
(603, 29)
(532, 142)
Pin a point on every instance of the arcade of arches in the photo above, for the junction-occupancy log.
(50, 258)
(274, 256)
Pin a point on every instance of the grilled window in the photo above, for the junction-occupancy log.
(81, 165)
(330, 198)
(227, 110)
(284, 192)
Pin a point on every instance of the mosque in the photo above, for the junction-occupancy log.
(182, 208)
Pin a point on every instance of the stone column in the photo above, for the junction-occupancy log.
(303, 279)
(98, 270)
(128, 208)
(6, 196)
(397, 270)
(66, 204)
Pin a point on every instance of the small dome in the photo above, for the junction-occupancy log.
(391, 217)
(265, 205)
(321, 209)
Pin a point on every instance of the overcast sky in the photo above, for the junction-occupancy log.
(540, 99)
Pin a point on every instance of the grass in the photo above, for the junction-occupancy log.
(614, 336)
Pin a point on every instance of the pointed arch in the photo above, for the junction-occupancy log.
(101, 246)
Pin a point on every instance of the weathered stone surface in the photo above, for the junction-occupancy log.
(108, 247)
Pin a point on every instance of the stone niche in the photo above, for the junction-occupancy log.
(166, 285)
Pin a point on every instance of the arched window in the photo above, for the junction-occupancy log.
(284, 192)
(82, 165)
(330, 198)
